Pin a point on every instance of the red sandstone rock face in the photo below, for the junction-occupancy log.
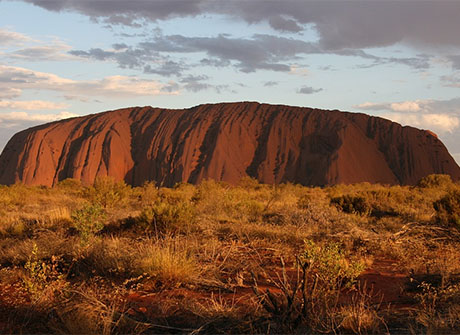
(225, 142)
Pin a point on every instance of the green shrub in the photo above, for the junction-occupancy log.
(448, 209)
(88, 221)
(40, 274)
(329, 264)
(352, 204)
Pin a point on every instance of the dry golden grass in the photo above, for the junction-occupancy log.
(192, 253)
(169, 262)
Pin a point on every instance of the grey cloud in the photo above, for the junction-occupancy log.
(455, 61)
(196, 83)
(215, 62)
(363, 24)
(95, 53)
(419, 63)
(452, 80)
(194, 78)
(308, 90)
(260, 52)
(282, 24)
(10, 75)
(126, 57)
(197, 86)
(422, 62)
(172, 87)
(120, 46)
(166, 69)
(124, 12)
(270, 83)
(339, 24)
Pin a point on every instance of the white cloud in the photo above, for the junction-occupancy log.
(32, 105)
(403, 106)
(8, 37)
(121, 86)
(9, 93)
(406, 106)
(33, 50)
(371, 106)
(54, 52)
(441, 116)
(299, 71)
(11, 118)
(11, 123)
(112, 86)
(437, 122)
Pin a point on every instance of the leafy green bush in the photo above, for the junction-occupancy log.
(88, 221)
(448, 209)
(330, 264)
(40, 274)
(352, 204)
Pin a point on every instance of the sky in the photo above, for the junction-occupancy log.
(395, 59)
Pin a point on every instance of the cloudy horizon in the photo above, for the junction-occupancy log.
(398, 60)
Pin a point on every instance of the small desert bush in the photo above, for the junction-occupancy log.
(435, 181)
(224, 202)
(70, 186)
(148, 194)
(49, 243)
(107, 192)
(438, 309)
(360, 316)
(448, 209)
(352, 204)
(330, 265)
(164, 217)
(90, 309)
(108, 257)
(88, 221)
(181, 192)
(18, 228)
(40, 275)
(310, 300)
